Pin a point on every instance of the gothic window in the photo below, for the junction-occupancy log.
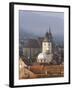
(49, 44)
(41, 60)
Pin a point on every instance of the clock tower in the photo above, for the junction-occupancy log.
(47, 49)
(47, 43)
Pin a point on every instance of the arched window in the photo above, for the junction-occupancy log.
(44, 60)
(41, 60)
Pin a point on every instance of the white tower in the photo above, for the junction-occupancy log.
(47, 55)
(47, 43)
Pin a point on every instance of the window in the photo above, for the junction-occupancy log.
(49, 44)
(44, 44)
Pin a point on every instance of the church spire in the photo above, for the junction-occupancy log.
(46, 34)
(50, 34)
(49, 30)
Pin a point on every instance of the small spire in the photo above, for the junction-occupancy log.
(46, 34)
(49, 30)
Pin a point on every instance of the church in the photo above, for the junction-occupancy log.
(46, 55)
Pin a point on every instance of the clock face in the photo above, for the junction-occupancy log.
(45, 43)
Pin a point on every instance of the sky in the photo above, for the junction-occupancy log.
(39, 22)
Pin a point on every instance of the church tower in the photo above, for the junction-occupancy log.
(46, 56)
(47, 43)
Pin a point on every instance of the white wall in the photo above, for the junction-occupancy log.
(4, 43)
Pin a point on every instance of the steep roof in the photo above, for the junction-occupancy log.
(48, 37)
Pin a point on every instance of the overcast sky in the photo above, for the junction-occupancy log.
(38, 22)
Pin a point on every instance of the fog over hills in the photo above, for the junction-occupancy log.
(33, 24)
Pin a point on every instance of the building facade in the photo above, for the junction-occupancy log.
(31, 49)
